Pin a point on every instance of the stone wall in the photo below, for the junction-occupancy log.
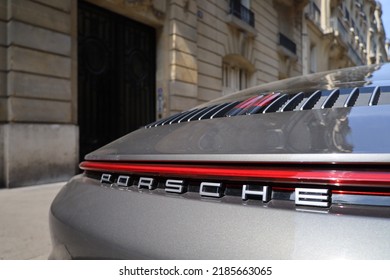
(183, 55)
(38, 133)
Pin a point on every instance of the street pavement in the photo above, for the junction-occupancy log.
(24, 222)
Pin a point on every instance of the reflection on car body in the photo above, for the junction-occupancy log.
(295, 169)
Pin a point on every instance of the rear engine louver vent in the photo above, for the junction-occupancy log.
(284, 102)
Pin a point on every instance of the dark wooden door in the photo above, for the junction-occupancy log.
(116, 76)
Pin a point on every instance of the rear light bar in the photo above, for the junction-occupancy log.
(332, 177)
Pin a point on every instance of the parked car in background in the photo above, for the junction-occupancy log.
(294, 169)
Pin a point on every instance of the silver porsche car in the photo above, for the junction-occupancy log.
(294, 169)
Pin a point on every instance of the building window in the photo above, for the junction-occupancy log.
(313, 59)
(234, 78)
(315, 12)
(241, 9)
(346, 12)
(287, 43)
(286, 30)
(243, 79)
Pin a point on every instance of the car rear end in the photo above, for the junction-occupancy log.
(297, 169)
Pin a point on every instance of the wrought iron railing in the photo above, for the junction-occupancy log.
(242, 12)
(354, 56)
(338, 26)
(286, 42)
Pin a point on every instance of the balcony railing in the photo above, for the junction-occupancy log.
(287, 43)
(354, 56)
(242, 12)
(341, 30)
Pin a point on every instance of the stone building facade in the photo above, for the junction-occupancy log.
(339, 34)
(38, 131)
(70, 70)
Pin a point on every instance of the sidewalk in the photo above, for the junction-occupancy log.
(24, 227)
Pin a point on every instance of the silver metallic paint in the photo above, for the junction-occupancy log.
(339, 135)
(97, 222)
(91, 221)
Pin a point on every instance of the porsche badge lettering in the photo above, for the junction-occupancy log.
(303, 196)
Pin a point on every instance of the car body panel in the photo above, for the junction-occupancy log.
(328, 135)
(100, 222)
(98, 216)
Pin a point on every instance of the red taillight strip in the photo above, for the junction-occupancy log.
(368, 192)
(289, 175)
(361, 193)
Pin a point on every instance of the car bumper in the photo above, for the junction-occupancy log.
(90, 220)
